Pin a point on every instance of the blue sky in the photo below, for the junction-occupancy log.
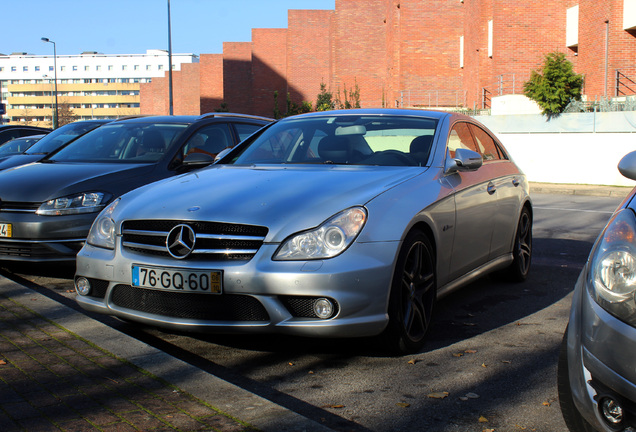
(133, 26)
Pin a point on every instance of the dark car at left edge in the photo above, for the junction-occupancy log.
(47, 207)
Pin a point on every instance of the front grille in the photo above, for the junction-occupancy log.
(214, 240)
(21, 207)
(204, 307)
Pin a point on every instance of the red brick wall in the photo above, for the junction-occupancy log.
(360, 51)
(405, 52)
(185, 90)
(237, 76)
(211, 79)
(593, 31)
(269, 68)
(308, 53)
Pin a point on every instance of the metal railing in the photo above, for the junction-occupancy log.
(624, 85)
(443, 99)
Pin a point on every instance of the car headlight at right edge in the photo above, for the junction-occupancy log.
(102, 232)
(613, 267)
(330, 239)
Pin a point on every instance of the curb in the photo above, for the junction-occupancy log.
(578, 189)
(241, 404)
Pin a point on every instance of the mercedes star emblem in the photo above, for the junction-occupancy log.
(180, 241)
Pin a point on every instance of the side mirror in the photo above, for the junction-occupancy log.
(222, 154)
(627, 165)
(197, 160)
(464, 160)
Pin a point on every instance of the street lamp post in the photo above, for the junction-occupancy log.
(55, 117)
(170, 102)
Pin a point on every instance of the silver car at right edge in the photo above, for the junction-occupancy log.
(597, 361)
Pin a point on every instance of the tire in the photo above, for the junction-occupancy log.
(522, 251)
(573, 418)
(412, 296)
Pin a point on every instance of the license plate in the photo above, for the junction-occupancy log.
(176, 279)
(5, 230)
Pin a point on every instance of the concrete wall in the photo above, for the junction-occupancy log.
(571, 149)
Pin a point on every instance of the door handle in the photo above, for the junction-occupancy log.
(491, 188)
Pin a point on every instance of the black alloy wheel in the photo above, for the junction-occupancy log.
(413, 295)
(522, 251)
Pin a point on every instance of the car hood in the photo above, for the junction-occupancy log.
(286, 199)
(17, 160)
(39, 182)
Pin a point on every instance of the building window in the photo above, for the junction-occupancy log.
(14, 69)
(110, 67)
(51, 68)
(124, 67)
(37, 68)
(62, 68)
(572, 28)
(25, 68)
(148, 67)
(160, 67)
(98, 67)
(74, 68)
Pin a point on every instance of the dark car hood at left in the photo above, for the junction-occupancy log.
(19, 159)
(39, 182)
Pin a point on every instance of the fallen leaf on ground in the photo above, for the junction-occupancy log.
(483, 419)
(2, 362)
(403, 404)
(470, 351)
(546, 403)
(334, 406)
(413, 361)
(438, 395)
(458, 354)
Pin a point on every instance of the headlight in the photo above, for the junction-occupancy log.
(74, 204)
(613, 267)
(328, 240)
(102, 232)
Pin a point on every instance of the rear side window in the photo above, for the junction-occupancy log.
(486, 146)
(244, 130)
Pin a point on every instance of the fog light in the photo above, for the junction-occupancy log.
(612, 411)
(82, 286)
(323, 308)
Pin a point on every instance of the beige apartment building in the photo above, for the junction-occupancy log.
(91, 84)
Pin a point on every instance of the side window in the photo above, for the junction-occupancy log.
(460, 137)
(209, 140)
(9, 135)
(486, 145)
(244, 130)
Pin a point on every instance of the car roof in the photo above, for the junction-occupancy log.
(191, 118)
(37, 128)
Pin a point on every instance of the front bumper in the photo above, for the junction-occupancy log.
(601, 352)
(37, 238)
(259, 295)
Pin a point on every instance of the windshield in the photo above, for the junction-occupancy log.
(344, 139)
(122, 143)
(18, 145)
(61, 136)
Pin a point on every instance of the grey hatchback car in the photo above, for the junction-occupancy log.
(47, 207)
(596, 373)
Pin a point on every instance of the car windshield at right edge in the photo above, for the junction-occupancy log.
(348, 140)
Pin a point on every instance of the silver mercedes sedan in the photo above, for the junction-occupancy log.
(596, 373)
(331, 224)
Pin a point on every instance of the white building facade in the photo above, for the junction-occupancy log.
(91, 85)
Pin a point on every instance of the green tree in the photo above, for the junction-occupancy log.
(555, 85)
(324, 101)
